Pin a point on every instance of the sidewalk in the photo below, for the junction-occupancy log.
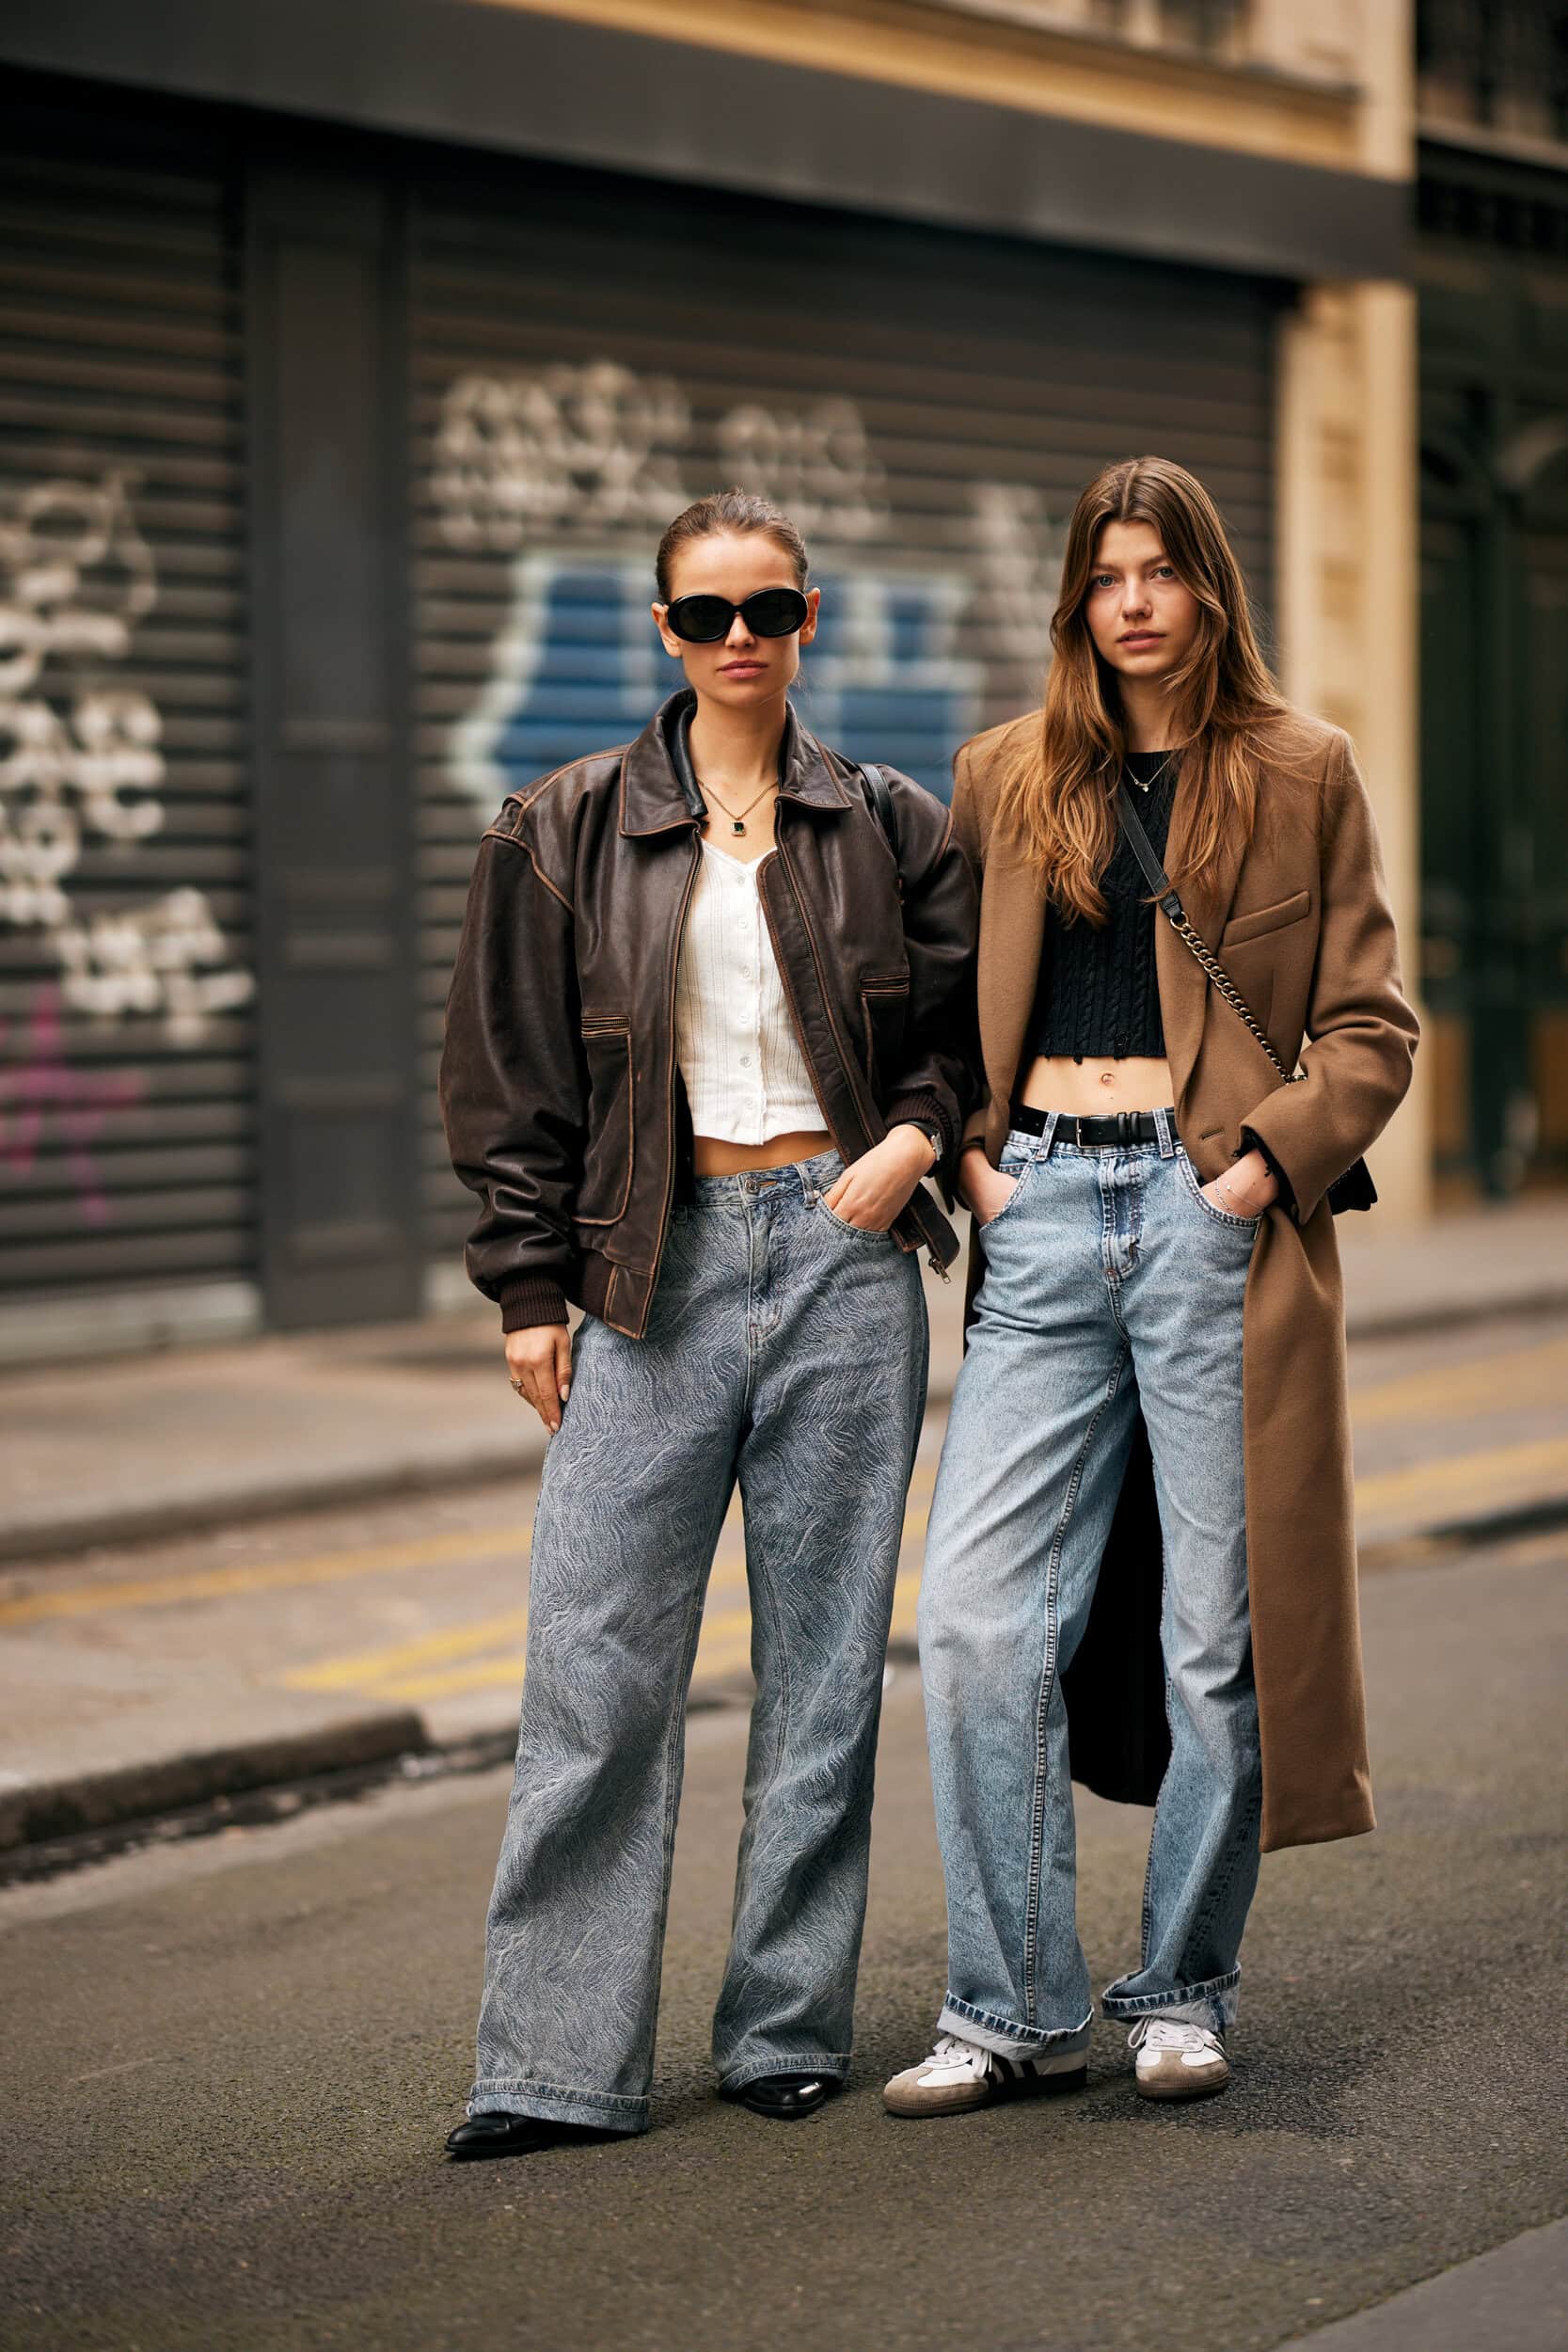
(199, 1438)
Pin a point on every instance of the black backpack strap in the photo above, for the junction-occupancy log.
(880, 793)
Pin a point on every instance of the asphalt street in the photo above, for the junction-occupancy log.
(238, 2059)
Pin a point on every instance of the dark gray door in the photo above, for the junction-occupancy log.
(333, 835)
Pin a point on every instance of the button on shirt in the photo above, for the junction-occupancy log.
(746, 1078)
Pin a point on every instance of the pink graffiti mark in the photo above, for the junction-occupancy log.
(43, 1084)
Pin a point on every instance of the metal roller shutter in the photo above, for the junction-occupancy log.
(125, 1086)
(589, 355)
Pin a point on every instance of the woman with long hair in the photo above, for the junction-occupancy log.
(1143, 1529)
(710, 1025)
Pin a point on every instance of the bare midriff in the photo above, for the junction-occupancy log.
(1059, 1082)
(712, 1156)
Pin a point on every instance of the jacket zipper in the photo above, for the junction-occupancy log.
(670, 1033)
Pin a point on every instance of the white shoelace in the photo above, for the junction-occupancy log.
(1161, 2033)
(960, 2060)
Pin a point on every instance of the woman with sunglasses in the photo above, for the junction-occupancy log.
(1160, 1326)
(709, 1027)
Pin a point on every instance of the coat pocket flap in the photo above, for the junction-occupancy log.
(1262, 919)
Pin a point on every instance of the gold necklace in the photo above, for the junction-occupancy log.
(738, 816)
(1155, 777)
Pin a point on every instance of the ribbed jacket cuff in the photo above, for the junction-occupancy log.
(926, 1111)
(529, 1299)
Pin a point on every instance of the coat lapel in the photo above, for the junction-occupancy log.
(1184, 986)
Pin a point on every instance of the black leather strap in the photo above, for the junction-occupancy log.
(1104, 1127)
(1142, 850)
(880, 793)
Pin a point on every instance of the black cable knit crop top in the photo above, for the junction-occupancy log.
(1097, 993)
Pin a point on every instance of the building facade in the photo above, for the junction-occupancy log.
(1492, 277)
(348, 386)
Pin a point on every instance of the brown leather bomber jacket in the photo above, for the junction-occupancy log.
(559, 1089)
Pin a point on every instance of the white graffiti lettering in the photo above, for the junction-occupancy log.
(600, 447)
(149, 960)
(83, 761)
(817, 464)
(596, 445)
(1020, 564)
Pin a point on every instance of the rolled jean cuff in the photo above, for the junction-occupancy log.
(999, 2034)
(558, 2102)
(833, 2065)
(1213, 2003)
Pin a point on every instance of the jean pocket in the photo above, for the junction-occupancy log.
(1247, 1225)
(1020, 1178)
(857, 1232)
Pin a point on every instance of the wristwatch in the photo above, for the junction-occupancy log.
(932, 1135)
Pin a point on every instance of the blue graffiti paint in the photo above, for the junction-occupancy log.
(577, 667)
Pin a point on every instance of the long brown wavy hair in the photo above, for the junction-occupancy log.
(1057, 799)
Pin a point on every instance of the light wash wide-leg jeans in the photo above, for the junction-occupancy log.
(786, 1352)
(1110, 1283)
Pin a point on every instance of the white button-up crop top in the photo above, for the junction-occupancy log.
(746, 1078)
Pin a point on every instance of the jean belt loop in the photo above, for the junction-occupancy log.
(1164, 1128)
(1048, 1135)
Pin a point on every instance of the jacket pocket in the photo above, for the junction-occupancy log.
(1264, 919)
(611, 1139)
(884, 1010)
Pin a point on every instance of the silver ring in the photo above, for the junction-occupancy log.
(519, 1386)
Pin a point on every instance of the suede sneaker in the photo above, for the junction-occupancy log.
(959, 2076)
(1179, 2060)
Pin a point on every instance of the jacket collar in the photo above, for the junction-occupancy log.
(658, 791)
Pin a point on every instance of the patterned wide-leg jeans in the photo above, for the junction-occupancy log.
(786, 1352)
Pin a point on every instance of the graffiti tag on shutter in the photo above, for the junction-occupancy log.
(79, 759)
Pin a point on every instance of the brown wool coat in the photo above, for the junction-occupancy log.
(1302, 921)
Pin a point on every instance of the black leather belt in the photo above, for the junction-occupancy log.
(1114, 1127)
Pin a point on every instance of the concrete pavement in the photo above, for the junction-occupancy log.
(131, 1449)
(240, 2059)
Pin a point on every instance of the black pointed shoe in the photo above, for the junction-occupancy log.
(786, 2097)
(494, 2133)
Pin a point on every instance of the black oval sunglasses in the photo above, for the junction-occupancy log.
(703, 620)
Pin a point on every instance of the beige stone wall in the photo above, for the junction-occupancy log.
(1285, 97)
(1347, 608)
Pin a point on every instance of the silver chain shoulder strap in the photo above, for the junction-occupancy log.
(1171, 907)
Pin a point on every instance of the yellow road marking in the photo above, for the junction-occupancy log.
(156, 1592)
(477, 1636)
(328, 1567)
(1493, 1475)
(1487, 1384)
(725, 1638)
(374, 1666)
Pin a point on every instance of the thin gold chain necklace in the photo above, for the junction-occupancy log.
(1154, 779)
(738, 816)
